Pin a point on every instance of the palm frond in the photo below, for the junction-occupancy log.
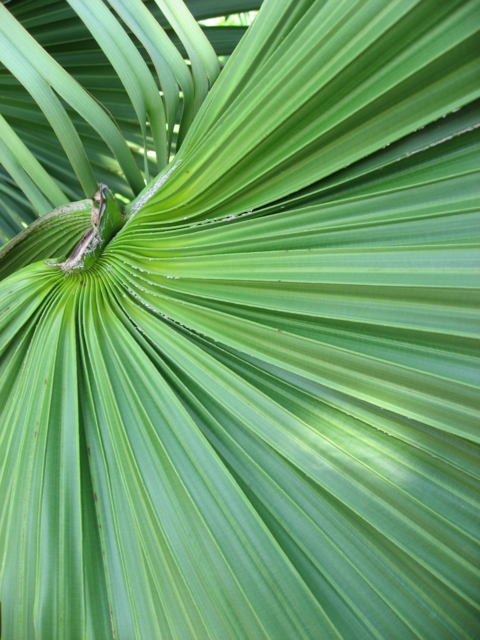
(256, 415)
(100, 151)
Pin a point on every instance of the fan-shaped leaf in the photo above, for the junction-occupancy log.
(255, 416)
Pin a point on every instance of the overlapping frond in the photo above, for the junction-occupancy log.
(256, 416)
(122, 55)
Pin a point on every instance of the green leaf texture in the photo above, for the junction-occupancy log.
(53, 235)
(96, 138)
(256, 416)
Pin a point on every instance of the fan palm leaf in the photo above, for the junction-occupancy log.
(255, 415)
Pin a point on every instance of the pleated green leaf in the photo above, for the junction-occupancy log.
(256, 415)
(310, 110)
(23, 163)
(16, 212)
(205, 67)
(35, 68)
(53, 235)
(155, 40)
(131, 69)
(63, 35)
